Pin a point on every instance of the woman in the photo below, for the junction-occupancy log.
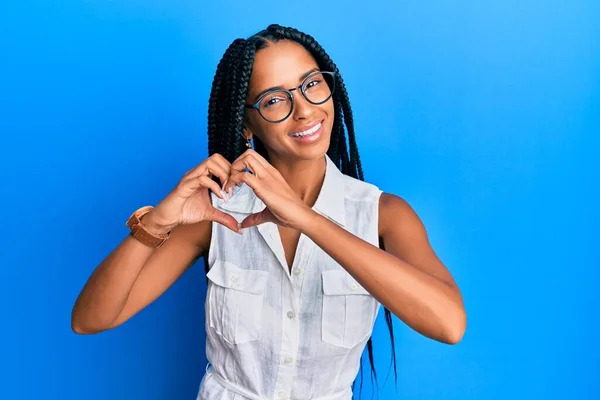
(300, 252)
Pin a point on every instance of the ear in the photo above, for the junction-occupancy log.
(247, 133)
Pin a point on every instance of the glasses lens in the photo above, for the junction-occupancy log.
(276, 106)
(319, 87)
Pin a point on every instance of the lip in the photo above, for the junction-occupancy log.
(315, 137)
(307, 127)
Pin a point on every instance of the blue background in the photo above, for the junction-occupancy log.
(484, 115)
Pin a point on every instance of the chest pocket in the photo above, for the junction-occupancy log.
(235, 301)
(348, 310)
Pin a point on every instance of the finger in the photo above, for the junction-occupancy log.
(212, 167)
(261, 160)
(267, 165)
(194, 170)
(224, 219)
(209, 171)
(250, 162)
(219, 171)
(237, 178)
(222, 161)
(215, 165)
(258, 218)
(194, 183)
(258, 157)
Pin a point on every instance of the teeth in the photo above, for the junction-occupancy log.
(308, 131)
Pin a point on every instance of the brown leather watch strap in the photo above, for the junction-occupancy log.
(139, 231)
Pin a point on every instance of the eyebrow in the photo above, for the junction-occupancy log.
(302, 78)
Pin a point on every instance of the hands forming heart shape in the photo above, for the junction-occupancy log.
(190, 201)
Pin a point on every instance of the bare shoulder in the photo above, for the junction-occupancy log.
(395, 213)
(403, 234)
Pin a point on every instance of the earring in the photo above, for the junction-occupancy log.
(247, 139)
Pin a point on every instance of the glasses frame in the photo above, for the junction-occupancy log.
(256, 105)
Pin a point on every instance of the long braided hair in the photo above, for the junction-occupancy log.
(226, 116)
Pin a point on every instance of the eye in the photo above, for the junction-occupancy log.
(313, 83)
(273, 100)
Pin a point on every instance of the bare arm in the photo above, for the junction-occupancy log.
(407, 277)
(134, 275)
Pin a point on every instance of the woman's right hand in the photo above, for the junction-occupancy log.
(190, 201)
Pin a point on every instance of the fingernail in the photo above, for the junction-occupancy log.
(224, 183)
(225, 196)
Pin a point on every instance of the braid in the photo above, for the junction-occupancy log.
(220, 103)
(241, 78)
(349, 120)
(226, 112)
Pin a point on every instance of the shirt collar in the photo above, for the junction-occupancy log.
(330, 202)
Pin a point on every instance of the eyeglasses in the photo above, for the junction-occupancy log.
(276, 105)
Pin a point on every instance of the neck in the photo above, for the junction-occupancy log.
(305, 177)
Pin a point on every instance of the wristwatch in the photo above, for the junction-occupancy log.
(139, 231)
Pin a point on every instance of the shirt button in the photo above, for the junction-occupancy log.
(297, 271)
(288, 360)
(281, 395)
(233, 278)
(290, 314)
(353, 286)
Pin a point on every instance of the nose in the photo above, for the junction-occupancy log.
(302, 108)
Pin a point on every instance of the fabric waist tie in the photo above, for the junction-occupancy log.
(341, 395)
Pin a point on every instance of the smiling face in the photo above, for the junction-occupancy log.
(306, 133)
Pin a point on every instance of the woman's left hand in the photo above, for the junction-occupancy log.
(283, 206)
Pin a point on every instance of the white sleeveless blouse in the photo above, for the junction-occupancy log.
(276, 335)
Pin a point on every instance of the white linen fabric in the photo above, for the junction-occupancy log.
(278, 334)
